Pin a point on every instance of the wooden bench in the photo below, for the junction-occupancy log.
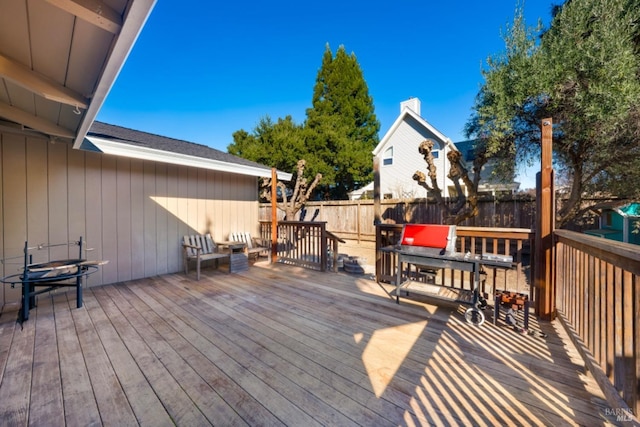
(254, 246)
(200, 248)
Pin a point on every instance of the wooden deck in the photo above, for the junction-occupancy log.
(279, 345)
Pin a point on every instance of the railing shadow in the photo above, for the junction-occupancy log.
(477, 375)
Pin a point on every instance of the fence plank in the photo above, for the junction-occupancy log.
(355, 219)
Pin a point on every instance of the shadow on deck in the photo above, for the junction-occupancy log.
(280, 345)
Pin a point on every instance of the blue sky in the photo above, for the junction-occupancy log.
(201, 70)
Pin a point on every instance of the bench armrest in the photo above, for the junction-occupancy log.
(260, 242)
(198, 249)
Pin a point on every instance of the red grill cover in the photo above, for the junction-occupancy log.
(426, 235)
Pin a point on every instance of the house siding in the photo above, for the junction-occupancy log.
(397, 178)
(130, 212)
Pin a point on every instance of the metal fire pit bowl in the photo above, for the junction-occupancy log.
(58, 270)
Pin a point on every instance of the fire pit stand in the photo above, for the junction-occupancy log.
(50, 275)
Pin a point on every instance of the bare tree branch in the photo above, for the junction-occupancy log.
(465, 207)
(300, 194)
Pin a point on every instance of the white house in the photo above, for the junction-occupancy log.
(365, 192)
(399, 158)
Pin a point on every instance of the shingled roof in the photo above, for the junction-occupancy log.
(117, 140)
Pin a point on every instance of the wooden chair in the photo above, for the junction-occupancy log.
(255, 246)
(200, 248)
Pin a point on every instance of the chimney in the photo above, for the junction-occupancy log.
(412, 103)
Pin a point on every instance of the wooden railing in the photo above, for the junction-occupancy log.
(304, 243)
(516, 242)
(598, 298)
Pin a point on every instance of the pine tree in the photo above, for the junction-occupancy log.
(337, 138)
(341, 129)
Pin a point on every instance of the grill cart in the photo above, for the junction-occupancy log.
(432, 247)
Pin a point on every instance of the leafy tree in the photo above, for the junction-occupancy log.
(278, 145)
(341, 129)
(584, 73)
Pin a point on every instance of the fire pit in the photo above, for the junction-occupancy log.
(50, 275)
(54, 269)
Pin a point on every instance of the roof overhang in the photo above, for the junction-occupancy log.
(108, 146)
(60, 58)
(630, 210)
(137, 16)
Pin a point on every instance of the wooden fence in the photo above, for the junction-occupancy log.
(354, 219)
(598, 297)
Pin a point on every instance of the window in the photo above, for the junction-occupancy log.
(387, 158)
(435, 154)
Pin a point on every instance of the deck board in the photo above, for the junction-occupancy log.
(177, 403)
(46, 393)
(280, 345)
(198, 354)
(333, 313)
(79, 401)
(15, 390)
(285, 357)
(186, 377)
(111, 399)
(284, 396)
(144, 403)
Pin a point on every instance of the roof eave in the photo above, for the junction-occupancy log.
(136, 17)
(110, 147)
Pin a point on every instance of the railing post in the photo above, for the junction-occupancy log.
(378, 252)
(377, 213)
(323, 247)
(274, 215)
(358, 220)
(545, 298)
(335, 255)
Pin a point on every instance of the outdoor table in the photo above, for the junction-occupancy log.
(238, 258)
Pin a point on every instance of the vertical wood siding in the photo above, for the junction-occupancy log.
(14, 204)
(130, 212)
